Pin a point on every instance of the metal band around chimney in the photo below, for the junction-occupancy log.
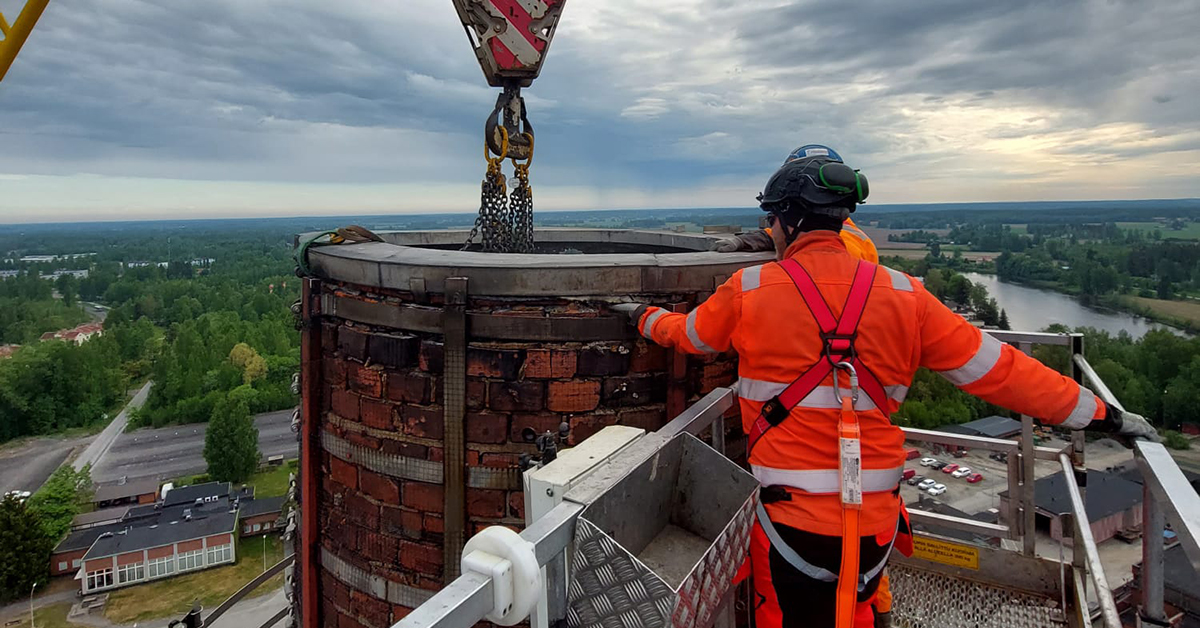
(378, 586)
(454, 409)
(420, 318)
(418, 469)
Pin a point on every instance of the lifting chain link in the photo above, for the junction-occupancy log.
(505, 221)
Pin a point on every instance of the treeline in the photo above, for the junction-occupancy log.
(28, 309)
(29, 530)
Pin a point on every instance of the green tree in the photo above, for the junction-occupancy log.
(1004, 320)
(59, 500)
(231, 442)
(24, 550)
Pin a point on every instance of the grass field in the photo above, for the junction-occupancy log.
(1190, 232)
(174, 596)
(1183, 310)
(271, 482)
(904, 253)
(48, 617)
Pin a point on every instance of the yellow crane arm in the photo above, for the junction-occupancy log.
(14, 35)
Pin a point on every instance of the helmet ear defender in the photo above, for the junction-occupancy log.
(842, 179)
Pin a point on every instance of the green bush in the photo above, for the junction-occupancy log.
(1175, 440)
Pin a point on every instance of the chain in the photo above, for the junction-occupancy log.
(520, 200)
(505, 221)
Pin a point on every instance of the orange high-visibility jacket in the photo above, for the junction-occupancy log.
(759, 313)
(857, 242)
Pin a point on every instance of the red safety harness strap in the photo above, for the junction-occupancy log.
(838, 336)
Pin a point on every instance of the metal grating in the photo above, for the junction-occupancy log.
(928, 599)
(421, 470)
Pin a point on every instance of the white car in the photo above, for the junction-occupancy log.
(937, 489)
(925, 462)
(962, 472)
(926, 484)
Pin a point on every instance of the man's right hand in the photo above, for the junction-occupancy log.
(752, 242)
(1126, 427)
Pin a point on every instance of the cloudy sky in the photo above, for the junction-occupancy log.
(121, 109)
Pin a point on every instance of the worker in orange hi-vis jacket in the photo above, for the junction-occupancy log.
(827, 346)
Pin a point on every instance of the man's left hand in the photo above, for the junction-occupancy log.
(633, 310)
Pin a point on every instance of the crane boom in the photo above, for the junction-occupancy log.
(16, 33)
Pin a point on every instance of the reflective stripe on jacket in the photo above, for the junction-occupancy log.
(759, 313)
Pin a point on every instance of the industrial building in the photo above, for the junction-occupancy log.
(126, 492)
(1114, 504)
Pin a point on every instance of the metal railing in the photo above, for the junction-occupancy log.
(1168, 496)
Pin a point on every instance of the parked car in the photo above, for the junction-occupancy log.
(962, 472)
(950, 468)
(908, 473)
(999, 456)
(938, 466)
(974, 477)
(926, 484)
(915, 480)
(937, 489)
(928, 462)
(960, 453)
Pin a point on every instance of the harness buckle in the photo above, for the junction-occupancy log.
(849, 368)
(774, 411)
(772, 494)
(839, 347)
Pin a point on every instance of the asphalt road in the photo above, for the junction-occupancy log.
(170, 452)
(26, 466)
(104, 440)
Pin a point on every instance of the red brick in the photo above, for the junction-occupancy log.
(717, 374)
(426, 559)
(376, 414)
(335, 373)
(647, 357)
(345, 404)
(573, 396)
(381, 488)
(434, 524)
(499, 460)
(374, 545)
(649, 419)
(336, 591)
(412, 387)
(585, 426)
(472, 458)
(352, 343)
(346, 621)
(423, 421)
(549, 364)
(361, 511)
(399, 612)
(634, 391)
(603, 361)
(476, 394)
(402, 448)
(423, 497)
(482, 502)
(400, 522)
(365, 380)
(539, 423)
(486, 427)
(362, 440)
(436, 454)
(517, 396)
(343, 472)
(329, 334)
(431, 357)
(393, 351)
(377, 612)
(500, 363)
(516, 505)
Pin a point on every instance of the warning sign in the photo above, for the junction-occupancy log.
(946, 553)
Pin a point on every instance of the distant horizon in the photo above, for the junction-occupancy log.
(866, 210)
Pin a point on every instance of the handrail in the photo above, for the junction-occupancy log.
(1083, 536)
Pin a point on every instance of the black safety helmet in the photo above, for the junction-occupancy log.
(813, 180)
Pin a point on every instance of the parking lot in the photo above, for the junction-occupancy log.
(974, 498)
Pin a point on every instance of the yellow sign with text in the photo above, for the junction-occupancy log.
(946, 553)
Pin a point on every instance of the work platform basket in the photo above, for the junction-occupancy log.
(661, 547)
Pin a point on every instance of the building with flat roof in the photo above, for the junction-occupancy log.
(201, 539)
(139, 491)
(99, 517)
(260, 516)
(207, 492)
(1113, 504)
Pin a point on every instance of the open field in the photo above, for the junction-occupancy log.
(1183, 310)
(905, 253)
(48, 617)
(1190, 231)
(173, 596)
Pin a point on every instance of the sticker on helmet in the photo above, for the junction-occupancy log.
(814, 152)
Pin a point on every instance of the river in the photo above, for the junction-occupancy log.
(1033, 309)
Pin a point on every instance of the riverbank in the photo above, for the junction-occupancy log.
(1183, 315)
